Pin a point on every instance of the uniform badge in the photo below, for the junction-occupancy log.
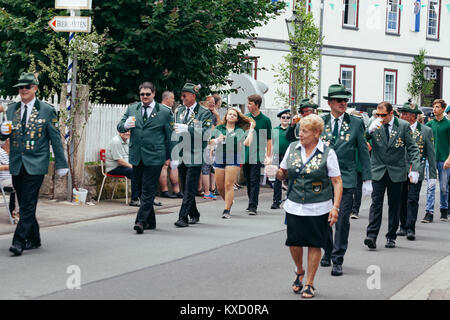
(317, 187)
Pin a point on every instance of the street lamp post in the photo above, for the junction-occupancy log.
(292, 23)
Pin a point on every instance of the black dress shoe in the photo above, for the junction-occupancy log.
(179, 195)
(181, 224)
(166, 194)
(390, 243)
(16, 250)
(325, 262)
(275, 206)
(337, 270)
(194, 220)
(370, 242)
(410, 235)
(401, 232)
(139, 228)
(156, 203)
(31, 245)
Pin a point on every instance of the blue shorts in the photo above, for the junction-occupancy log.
(227, 160)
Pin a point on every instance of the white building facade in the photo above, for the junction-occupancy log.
(368, 44)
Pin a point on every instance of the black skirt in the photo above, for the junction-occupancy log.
(307, 231)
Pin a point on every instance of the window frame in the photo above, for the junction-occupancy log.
(254, 69)
(386, 72)
(353, 68)
(399, 17)
(438, 21)
(349, 26)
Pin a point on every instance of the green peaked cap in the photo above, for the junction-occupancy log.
(410, 107)
(337, 91)
(27, 78)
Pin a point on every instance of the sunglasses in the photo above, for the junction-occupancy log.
(145, 94)
(341, 100)
(285, 117)
(28, 87)
(382, 114)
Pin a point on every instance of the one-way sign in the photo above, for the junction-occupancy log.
(70, 24)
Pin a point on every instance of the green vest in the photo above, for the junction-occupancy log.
(312, 183)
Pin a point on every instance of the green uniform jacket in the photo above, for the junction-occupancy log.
(424, 140)
(149, 141)
(349, 141)
(390, 155)
(32, 148)
(199, 124)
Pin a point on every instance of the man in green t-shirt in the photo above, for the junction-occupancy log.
(441, 133)
(256, 154)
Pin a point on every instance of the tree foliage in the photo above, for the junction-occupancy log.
(419, 87)
(167, 41)
(299, 68)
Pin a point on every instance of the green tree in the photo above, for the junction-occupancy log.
(168, 42)
(299, 68)
(419, 87)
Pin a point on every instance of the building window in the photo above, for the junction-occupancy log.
(351, 8)
(393, 16)
(390, 86)
(250, 66)
(433, 19)
(348, 79)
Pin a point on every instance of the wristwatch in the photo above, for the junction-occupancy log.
(336, 208)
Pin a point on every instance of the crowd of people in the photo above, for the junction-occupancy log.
(326, 163)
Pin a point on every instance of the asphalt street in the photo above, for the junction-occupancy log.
(240, 258)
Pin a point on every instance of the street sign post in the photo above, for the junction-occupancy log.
(74, 4)
(70, 24)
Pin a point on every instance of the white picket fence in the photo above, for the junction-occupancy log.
(102, 124)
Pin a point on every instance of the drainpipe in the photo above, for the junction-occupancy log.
(322, 7)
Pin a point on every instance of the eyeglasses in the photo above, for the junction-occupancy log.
(285, 117)
(381, 114)
(183, 96)
(341, 100)
(146, 94)
(28, 87)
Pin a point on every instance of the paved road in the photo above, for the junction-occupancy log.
(240, 258)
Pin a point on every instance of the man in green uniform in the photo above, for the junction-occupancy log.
(192, 122)
(306, 107)
(441, 132)
(344, 133)
(280, 145)
(151, 126)
(391, 140)
(32, 126)
(410, 193)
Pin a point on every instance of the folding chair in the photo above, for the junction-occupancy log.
(6, 204)
(106, 175)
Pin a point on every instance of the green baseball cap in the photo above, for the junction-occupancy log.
(337, 91)
(27, 78)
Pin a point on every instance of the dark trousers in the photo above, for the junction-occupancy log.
(277, 190)
(394, 190)
(409, 205)
(128, 172)
(252, 174)
(189, 178)
(336, 250)
(147, 178)
(357, 195)
(27, 188)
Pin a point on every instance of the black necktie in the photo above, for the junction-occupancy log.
(145, 112)
(336, 129)
(386, 129)
(186, 117)
(24, 118)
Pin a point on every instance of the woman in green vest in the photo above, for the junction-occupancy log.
(235, 130)
(313, 198)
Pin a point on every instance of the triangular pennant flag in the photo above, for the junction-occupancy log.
(424, 5)
(332, 6)
(448, 8)
(376, 5)
(310, 4)
(401, 7)
(354, 6)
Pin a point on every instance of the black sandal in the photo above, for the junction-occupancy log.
(297, 286)
(309, 290)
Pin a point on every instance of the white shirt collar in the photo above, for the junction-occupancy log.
(318, 146)
(192, 107)
(151, 105)
(413, 126)
(29, 104)
(391, 123)
(341, 117)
